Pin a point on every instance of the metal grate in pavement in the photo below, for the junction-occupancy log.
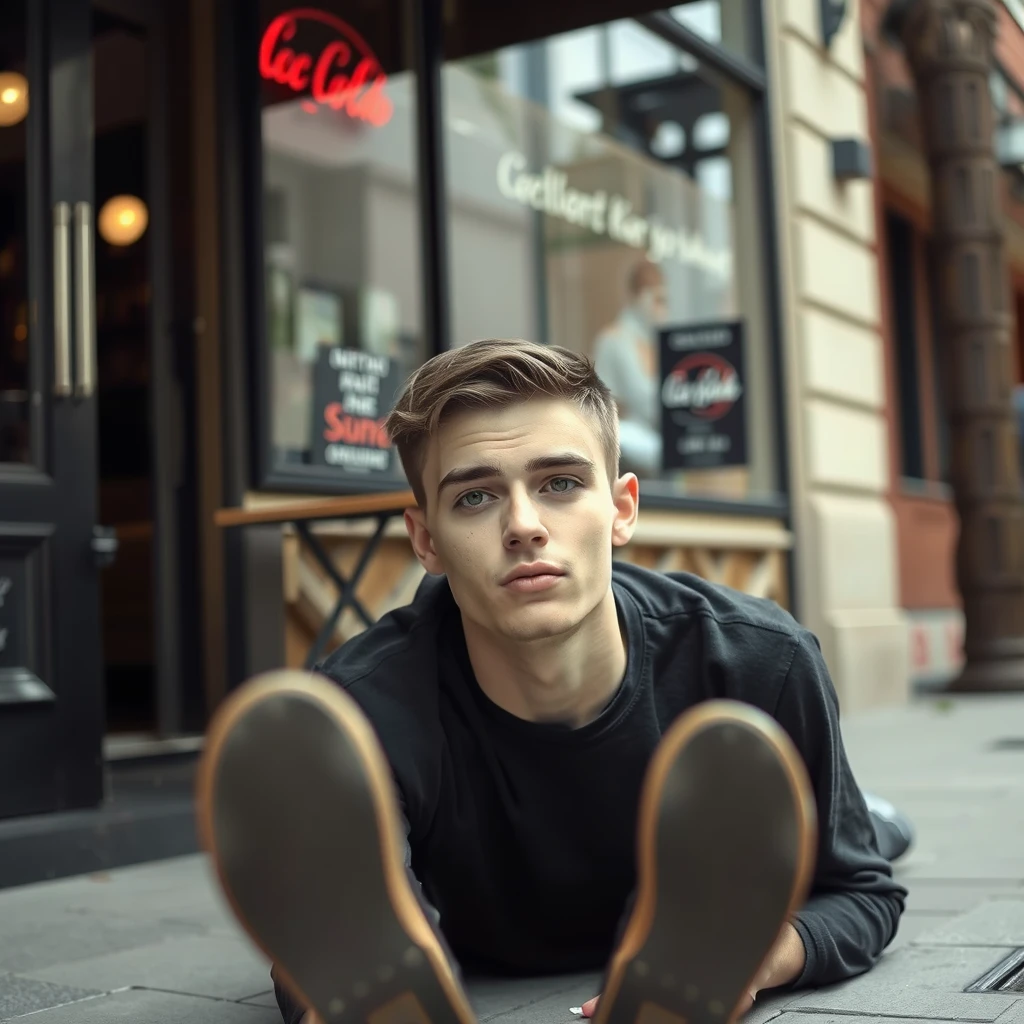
(1006, 976)
(1015, 743)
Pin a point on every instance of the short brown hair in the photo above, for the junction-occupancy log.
(488, 375)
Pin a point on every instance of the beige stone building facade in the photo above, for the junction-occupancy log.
(846, 551)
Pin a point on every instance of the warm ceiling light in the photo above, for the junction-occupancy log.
(13, 98)
(123, 219)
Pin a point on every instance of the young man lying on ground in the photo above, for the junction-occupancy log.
(520, 701)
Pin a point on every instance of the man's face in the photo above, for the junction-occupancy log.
(521, 516)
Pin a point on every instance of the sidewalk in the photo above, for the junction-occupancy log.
(154, 945)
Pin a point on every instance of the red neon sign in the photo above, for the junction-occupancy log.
(345, 76)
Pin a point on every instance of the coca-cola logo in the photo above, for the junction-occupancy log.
(702, 384)
(345, 75)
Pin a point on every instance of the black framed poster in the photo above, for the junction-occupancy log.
(353, 392)
(703, 396)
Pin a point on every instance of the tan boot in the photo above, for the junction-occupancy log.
(298, 811)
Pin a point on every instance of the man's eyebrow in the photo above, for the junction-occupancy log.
(559, 460)
(490, 471)
(466, 475)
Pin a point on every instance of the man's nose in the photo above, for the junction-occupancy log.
(523, 524)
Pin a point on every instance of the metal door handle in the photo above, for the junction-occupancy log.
(104, 545)
(62, 300)
(85, 287)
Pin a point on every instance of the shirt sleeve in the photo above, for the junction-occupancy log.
(855, 904)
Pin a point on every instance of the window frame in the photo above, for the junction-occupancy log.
(248, 409)
(920, 402)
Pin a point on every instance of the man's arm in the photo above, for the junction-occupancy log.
(855, 905)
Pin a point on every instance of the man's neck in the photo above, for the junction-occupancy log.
(568, 679)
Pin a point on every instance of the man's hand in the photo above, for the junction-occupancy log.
(785, 963)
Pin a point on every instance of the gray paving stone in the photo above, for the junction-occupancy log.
(89, 891)
(955, 898)
(912, 925)
(845, 1018)
(144, 1006)
(492, 997)
(262, 999)
(213, 966)
(926, 982)
(555, 1007)
(26, 995)
(966, 867)
(770, 1005)
(933, 1006)
(967, 803)
(551, 1009)
(1015, 1015)
(32, 939)
(181, 890)
(993, 923)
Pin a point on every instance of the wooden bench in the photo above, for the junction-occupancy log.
(300, 514)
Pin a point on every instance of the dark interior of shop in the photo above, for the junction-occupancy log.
(123, 355)
(14, 349)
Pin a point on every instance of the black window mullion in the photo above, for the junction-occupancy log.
(744, 71)
(902, 267)
(772, 285)
(428, 57)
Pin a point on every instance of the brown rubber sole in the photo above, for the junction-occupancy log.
(298, 812)
(726, 842)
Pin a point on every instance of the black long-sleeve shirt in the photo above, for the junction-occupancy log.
(522, 834)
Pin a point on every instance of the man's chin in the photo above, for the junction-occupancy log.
(537, 624)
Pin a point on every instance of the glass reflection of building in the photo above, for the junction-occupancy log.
(660, 145)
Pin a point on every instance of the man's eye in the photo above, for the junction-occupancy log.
(562, 484)
(474, 499)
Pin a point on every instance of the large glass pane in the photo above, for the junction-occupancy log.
(726, 23)
(341, 236)
(616, 201)
(16, 333)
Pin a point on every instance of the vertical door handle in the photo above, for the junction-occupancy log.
(85, 288)
(104, 546)
(62, 300)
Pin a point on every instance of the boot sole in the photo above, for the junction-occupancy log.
(297, 809)
(726, 848)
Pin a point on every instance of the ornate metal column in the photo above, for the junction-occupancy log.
(948, 45)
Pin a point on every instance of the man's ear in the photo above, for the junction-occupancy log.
(626, 498)
(422, 542)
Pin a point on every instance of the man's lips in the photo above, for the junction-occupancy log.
(532, 577)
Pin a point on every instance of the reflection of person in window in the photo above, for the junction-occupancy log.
(626, 358)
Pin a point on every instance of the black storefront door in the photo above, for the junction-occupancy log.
(51, 696)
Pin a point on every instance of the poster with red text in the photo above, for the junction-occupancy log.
(353, 392)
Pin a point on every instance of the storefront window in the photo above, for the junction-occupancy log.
(340, 231)
(609, 182)
(726, 23)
